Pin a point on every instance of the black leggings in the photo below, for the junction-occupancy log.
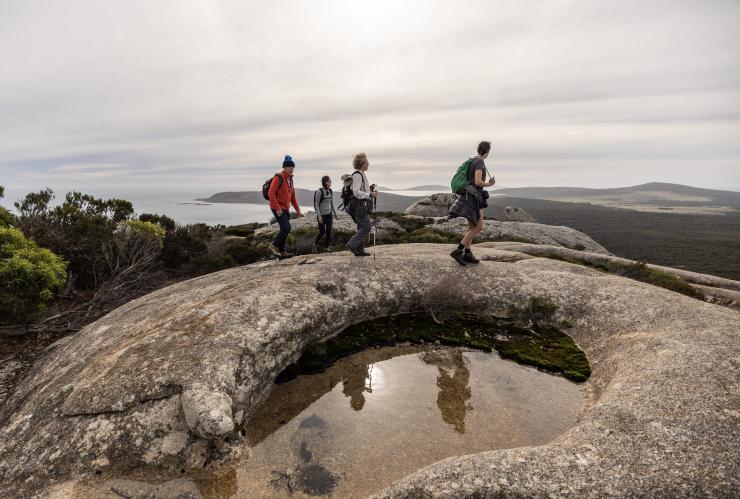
(325, 230)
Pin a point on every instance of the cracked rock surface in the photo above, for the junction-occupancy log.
(164, 381)
(526, 232)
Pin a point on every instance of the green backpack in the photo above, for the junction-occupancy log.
(460, 179)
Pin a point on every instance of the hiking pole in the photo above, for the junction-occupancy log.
(375, 229)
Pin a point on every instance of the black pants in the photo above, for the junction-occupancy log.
(284, 222)
(325, 230)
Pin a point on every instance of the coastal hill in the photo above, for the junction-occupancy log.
(652, 197)
(386, 202)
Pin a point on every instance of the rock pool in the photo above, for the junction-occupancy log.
(380, 414)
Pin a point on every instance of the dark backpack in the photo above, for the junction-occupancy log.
(268, 183)
(347, 194)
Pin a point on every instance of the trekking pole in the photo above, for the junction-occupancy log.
(375, 229)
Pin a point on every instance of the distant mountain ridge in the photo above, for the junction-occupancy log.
(439, 188)
(653, 193)
(386, 202)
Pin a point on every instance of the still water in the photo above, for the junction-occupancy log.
(381, 414)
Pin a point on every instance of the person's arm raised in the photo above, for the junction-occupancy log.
(479, 180)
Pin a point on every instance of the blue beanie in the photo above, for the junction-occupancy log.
(288, 161)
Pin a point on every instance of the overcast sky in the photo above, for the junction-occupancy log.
(205, 95)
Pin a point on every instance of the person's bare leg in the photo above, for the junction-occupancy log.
(473, 231)
(469, 235)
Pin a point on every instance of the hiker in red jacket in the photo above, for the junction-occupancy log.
(281, 195)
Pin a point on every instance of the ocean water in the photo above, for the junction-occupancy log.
(178, 205)
(182, 205)
(188, 211)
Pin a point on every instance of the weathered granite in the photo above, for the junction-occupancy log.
(514, 214)
(715, 289)
(525, 232)
(662, 418)
(436, 205)
(343, 224)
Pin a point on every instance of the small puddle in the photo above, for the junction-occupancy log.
(382, 413)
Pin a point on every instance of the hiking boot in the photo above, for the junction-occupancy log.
(285, 254)
(458, 256)
(274, 250)
(469, 258)
(358, 252)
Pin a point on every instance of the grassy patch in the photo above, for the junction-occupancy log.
(546, 348)
(638, 271)
(408, 224)
(245, 230)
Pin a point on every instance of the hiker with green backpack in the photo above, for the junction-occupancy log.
(469, 183)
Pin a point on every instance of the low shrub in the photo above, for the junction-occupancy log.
(243, 252)
(163, 221)
(246, 230)
(30, 276)
(139, 227)
(6, 218)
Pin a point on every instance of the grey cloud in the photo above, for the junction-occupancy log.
(225, 88)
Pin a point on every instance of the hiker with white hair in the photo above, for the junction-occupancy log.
(358, 197)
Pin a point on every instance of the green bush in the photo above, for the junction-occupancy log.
(243, 252)
(6, 218)
(79, 229)
(180, 247)
(246, 230)
(30, 276)
(137, 227)
(163, 221)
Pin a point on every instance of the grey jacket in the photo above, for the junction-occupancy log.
(323, 202)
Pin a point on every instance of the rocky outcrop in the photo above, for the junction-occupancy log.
(715, 289)
(514, 214)
(343, 224)
(436, 205)
(494, 230)
(133, 390)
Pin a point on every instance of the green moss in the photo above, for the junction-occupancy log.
(547, 349)
(638, 271)
(245, 230)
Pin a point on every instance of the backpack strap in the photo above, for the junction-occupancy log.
(471, 176)
(361, 177)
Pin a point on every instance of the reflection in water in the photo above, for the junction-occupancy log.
(308, 441)
(453, 390)
(221, 484)
(354, 386)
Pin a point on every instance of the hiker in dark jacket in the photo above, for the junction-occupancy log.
(281, 195)
(470, 205)
(361, 206)
(323, 205)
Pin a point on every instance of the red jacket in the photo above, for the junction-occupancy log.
(282, 194)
